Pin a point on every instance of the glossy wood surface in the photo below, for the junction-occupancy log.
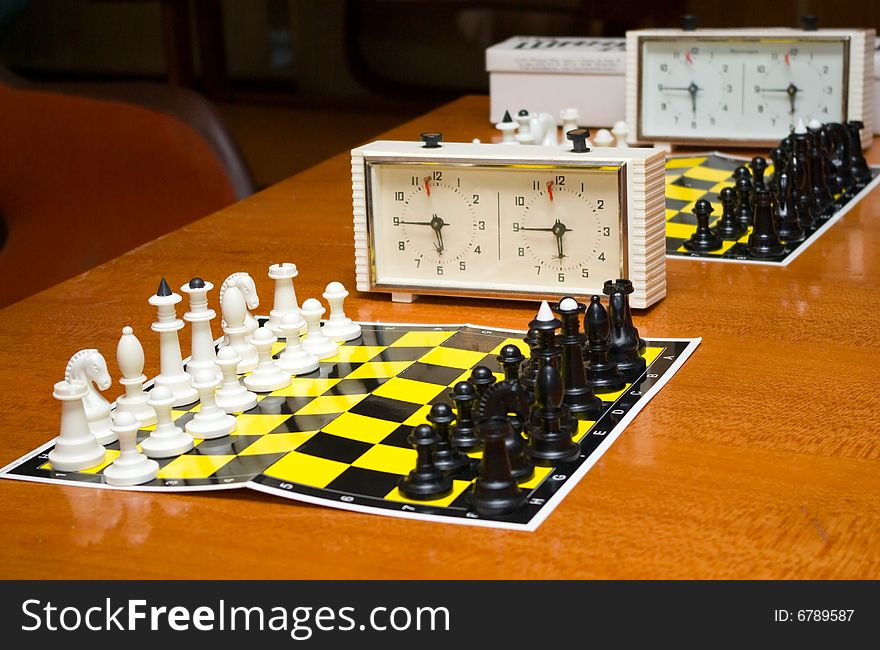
(760, 459)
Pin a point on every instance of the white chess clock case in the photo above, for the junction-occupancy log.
(860, 81)
(645, 227)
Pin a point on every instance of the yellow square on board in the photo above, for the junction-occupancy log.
(683, 193)
(358, 353)
(457, 488)
(256, 424)
(522, 345)
(194, 466)
(422, 339)
(419, 417)
(385, 458)
(276, 443)
(651, 353)
(670, 178)
(540, 474)
(409, 390)
(360, 427)
(278, 346)
(679, 230)
(308, 470)
(670, 213)
(327, 404)
(720, 186)
(451, 357)
(610, 397)
(582, 428)
(109, 456)
(302, 387)
(379, 369)
(708, 174)
(175, 413)
(678, 163)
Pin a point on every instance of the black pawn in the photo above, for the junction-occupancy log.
(778, 156)
(742, 172)
(704, 238)
(624, 337)
(857, 164)
(511, 360)
(744, 202)
(447, 458)
(759, 166)
(578, 391)
(549, 430)
(495, 491)
(602, 372)
(426, 482)
(764, 242)
(788, 225)
(529, 370)
(464, 432)
(481, 378)
(728, 227)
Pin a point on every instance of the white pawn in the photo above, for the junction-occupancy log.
(338, 327)
(295, 359)
(524, 133)
(603, 138)
(210, 421)
(90, 367)
(131, 467)
(130, 359)
(267, 376)
(75, 446)
(620, 131)
(167, 439)
(569, 117)
(232, 397)
(285, 296)
(315, 341)
(234, 310)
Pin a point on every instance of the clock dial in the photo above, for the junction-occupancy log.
(437, 221)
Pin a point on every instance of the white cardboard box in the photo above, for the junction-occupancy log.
(548, 74)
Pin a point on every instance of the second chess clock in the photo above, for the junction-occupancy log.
(507, 221)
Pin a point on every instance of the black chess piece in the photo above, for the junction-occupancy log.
(578, 392)
(464, 431)
(759, 166)
(764, 242)
(550, 431)
(818, 168)
(777, 155)
(624, 336)
(481, 378)
(426, 482)
(788, 225)
(841, 157)
(799, 167)
(529, 370)
(602, 372)
(742, 172)
(447, 458)
(826, 148)
(728, 227)
(744, 202)
(857, 164)
(511, 360)
(495, 491)
(704, 238)
(546, 348)
(627, 287)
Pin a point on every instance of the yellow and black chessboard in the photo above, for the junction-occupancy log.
(690, 178)
(338, 436)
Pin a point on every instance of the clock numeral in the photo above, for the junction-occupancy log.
(663, 67)
(478, 250)
(793, 51)
(437, 175)
(695, 50)
(724, 108)
(398, 196)
(824, 69)
(560, 277)
(602, 257)
(521, 252)
(711, 120)
(476, 199)
(401, 246)
(396, 221)
(757, 88)
(536, 185)
(728, 88)
(414, 180)
(560, 180)
(538, 270)
(418, 262)
(515, 227)
(600, 204)
(693, 125)
(724, 67)
(663, 106)
(585, 273)
(519, 200)
(481, 225)
(825, 109)
(760, 108)
(761, 68)
(462, 266)
(828, 90)
(606, 231)
(439, 270)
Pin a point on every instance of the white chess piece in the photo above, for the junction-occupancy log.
(200, 316)
(232, 397)
(167, 439)
(620, 131)
(603, 138)
(285, 295)
(338, 327)
(544, 128)
(234, 309)
(90, 367)
(211, 421)
(130, 359)
(524, 128)
(315, 341)
(267, 376)
(569, 117)
(171, 373)
(75, 446)
(131, 467)
(295, 359)
(508, 129)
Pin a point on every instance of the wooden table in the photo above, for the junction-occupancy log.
(760, 459)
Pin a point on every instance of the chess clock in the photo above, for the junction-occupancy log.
(745, 87)
(507, 221)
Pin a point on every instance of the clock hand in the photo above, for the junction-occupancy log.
(416, 223)
(537, 229)
(792, 91)
(437, 224)
(693, 89)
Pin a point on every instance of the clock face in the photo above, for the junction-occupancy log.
(500, 228)
(715, 88)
